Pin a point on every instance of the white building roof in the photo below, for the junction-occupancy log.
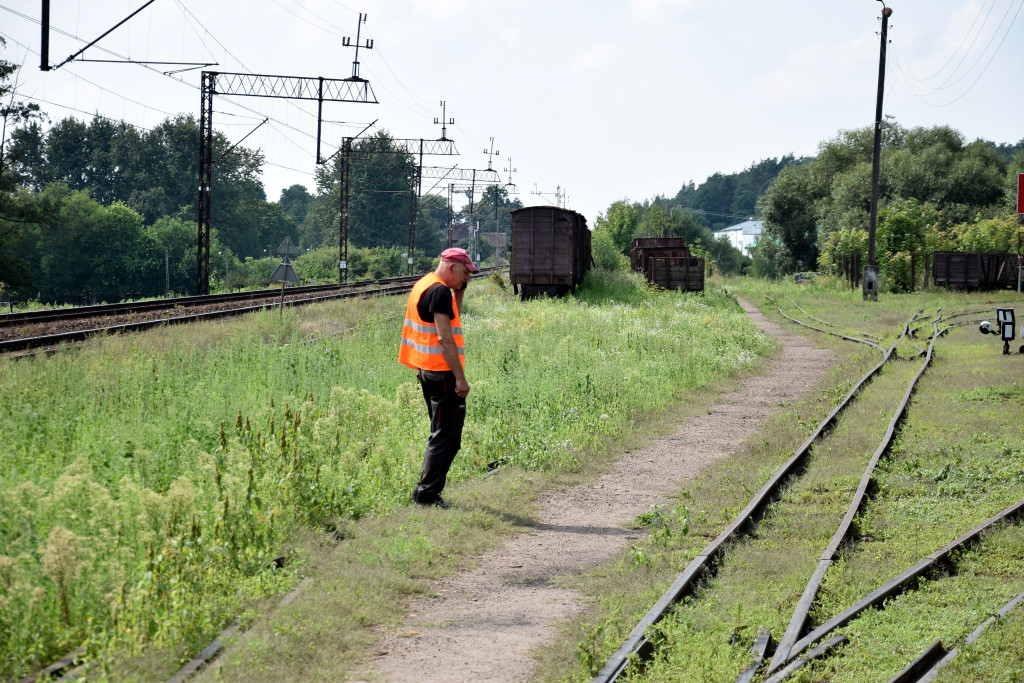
(743, 235)
(745, 228)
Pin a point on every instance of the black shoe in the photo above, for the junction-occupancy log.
(436, 503)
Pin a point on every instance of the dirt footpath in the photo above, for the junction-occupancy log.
(482, 624)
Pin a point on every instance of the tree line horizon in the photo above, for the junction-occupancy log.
(98, 209)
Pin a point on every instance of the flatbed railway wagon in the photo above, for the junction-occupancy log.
(969, 270)
(550, 251)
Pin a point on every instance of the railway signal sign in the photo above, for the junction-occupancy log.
(1020, 193)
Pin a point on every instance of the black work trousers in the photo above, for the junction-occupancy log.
(447, 413)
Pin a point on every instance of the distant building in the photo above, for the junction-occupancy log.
(743, 235)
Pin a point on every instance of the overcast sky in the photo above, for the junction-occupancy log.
(606, 100)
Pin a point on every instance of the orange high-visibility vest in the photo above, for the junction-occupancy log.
(421, 347)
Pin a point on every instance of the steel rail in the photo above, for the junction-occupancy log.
(823, 322)
(933, 672)
(835, 334)
(798, 622)
(899, 583)
(637, 643)
(52, 340)
(98, 310)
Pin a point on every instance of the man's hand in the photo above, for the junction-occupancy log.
(450, 351)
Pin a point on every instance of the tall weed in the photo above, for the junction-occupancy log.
(149, 482)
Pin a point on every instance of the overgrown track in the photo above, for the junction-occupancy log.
(637, 644)
(20, 332)
(796, 641)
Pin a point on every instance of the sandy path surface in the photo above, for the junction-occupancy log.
(482, 624)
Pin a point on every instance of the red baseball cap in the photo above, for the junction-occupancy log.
(457, 255)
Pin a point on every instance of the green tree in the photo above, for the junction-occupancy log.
(621, 222)
(295, 202)
(484, 208)
(88, 248)
(176, 235)
(930, 170)
(790, 219)
(380, 193)
(18, 209)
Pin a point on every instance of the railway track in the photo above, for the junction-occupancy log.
(801, 641)
(34, 330)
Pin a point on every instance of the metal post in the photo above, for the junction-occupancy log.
(44, 42)
(1020, 258)
(871, 269)
(451, 216)
(417, 188)
(209, 80)
(472, 192)
(167, 270)
(343, 182)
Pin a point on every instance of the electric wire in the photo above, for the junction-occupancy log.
(344, 32)
(86, 80)
(307, 21)
(967, 35)
(83, 111)
(948, 83)
(224, 99)
(193, 21)
(905, 72)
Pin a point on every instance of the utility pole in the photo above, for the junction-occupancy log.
(870, 287)
(490, 155)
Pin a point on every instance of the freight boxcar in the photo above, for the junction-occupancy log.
(964, 270)
(667, 263)
(646, 247)
(550, 251)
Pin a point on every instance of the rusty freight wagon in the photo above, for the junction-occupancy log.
(646, 247)
(685, 273)
(667, 263)
(550, 251)
(968, 270)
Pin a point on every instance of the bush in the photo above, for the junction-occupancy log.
(606, 254)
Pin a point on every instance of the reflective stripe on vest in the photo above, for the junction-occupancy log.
(421, 346)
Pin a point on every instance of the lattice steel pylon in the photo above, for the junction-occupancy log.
(411, 146)
(352, 89)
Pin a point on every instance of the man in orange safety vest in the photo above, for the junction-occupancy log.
(432, 345)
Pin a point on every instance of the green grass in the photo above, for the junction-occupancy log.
(148, 481)
(959, 458)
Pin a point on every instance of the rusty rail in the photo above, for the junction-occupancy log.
(898, 584)
(637, 644)
(798, 622)
(52, 340)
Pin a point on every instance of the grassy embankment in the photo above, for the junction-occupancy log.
(149, 481)
(958, 459)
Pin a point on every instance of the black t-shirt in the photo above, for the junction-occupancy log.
(436, 299)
